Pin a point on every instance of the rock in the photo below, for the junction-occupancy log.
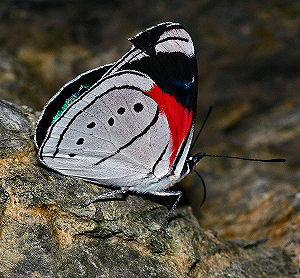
(252, 201)
(46, 232)
(248, 62)
(17, 83)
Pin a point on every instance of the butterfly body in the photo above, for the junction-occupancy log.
(129, 124)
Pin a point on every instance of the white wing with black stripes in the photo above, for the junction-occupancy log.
(129, 123)
(113, 135)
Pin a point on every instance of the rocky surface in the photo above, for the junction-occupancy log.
(47, 232)
(249, 64)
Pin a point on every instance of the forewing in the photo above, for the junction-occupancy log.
(165, 53)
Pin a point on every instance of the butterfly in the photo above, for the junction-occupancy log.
(128, 125)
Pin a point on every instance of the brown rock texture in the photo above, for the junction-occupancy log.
(46, 232)
(249, 67)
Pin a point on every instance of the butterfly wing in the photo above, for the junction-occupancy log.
(135, 124)
(113, 135)
(60, 99)
(166, 53)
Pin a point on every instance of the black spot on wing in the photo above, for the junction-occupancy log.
(138, 107)
(91, 125)
(79, 112)
(121, 110)
(154, 120)
(80, 141)
(111, 121)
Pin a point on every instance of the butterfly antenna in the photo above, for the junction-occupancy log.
(203, 124)
(194, 159)
(204, 188)
(245, 158)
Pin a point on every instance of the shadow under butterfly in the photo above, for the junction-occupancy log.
(129, 125)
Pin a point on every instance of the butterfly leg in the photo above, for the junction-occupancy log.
(171, 211)
(107, 195)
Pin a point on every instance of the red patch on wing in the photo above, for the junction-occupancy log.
(179, 118)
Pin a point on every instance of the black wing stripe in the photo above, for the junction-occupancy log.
(123, 59)
(73, 119)
(154, 120)
(179, 154)
(160, 158)
(80, 98)
(45, 120)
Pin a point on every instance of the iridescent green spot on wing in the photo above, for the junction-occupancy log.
(69, 101)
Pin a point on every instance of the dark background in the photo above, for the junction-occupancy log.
(249, 63)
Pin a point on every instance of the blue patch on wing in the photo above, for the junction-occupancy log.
(69, 101)
(185, 84)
